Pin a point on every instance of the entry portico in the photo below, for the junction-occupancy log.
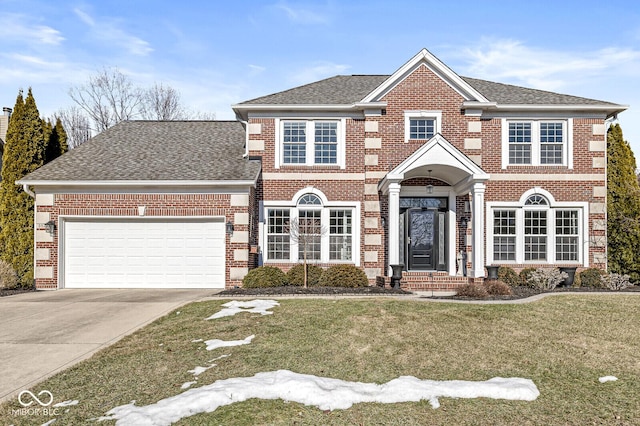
(433, 209)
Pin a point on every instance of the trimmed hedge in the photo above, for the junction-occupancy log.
(264, 276)
(591, 277)
(295, 275)
(344, 276)
(509, 276)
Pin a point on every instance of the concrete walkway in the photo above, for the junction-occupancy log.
(44, 332)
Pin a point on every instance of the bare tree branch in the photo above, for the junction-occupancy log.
(160, 102)
(108, 98)
(76, 125)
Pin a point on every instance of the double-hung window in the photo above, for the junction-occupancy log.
(421, 125)
(310, 142)
(538, 231)
(537, 142)
(504, 235)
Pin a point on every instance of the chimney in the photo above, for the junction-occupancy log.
(7, 111)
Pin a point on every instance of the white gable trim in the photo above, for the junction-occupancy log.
(447, 155)
(427, 59)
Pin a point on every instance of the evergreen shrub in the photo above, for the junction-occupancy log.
(264, 276)
(344, 275)
(295, 275)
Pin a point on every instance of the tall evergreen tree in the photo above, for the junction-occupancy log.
(62, 136)
(623, 206)
(24, 152)
(55, 137)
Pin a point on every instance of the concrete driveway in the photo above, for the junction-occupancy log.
(45, 332)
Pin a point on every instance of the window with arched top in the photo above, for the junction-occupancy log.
(539, 230)
(310, 200)
(313, 228)
(536, 200)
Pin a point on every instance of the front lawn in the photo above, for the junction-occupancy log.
(563, 343)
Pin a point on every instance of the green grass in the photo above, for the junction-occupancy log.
(563, 343)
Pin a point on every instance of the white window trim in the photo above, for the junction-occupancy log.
(327, 205)
(567, 153)
(425, 114)
(310, 145)
(519, 207)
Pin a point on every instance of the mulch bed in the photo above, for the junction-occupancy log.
(12, 291)
(315, 290)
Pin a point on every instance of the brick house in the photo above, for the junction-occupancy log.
(440, 173)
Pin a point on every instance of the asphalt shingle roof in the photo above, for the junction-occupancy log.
(349, 89)
(156, 150)
(338, 90)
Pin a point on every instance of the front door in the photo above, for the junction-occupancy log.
(425, 239)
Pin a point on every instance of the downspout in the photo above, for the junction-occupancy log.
(25, 188)
(246, 138)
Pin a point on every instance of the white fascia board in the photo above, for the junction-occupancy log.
(434, 64)
(131, 183)
(602, 108)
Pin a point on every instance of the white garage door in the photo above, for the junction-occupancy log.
(144, 253)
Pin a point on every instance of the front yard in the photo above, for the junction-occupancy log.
(563, 343)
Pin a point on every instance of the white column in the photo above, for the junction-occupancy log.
(477, 231)
(394, 219)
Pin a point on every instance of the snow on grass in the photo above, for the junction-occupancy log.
(199, 370)
(219, 357)
(67, 403)
(217, 343)
(322, 392)
(607, 379)
(187, 385)
(196, 340)
(253, 306)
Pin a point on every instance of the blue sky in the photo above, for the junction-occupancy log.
(217, 53)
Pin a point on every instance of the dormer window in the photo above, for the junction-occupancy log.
(421, 125)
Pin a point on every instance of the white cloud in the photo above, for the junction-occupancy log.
(109, 31)
(300, 15)
(318, 71)
(549, 69)
(17, 27)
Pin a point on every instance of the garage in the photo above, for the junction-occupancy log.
(143, 253)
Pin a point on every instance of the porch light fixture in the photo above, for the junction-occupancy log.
(464, 221)
(429, 186)
(229, 228)
(50, 227)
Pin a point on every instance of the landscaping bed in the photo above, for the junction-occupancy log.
(522, 292)
(314, 290)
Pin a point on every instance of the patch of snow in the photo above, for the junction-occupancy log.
(217, 343)
(50, 422)
(178, 313)
(196, 340)
(187, 385)
(67, 403)
(607, 379)
(199, 370)
(219, 357)
(322, 392)
(253, 306)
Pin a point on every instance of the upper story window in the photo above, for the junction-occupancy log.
(537, 142)
(310, 142)
(421, 125)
